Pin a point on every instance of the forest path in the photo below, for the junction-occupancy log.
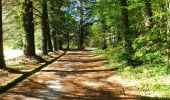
(78, 75)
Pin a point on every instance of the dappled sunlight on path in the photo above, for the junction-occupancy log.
(78, 75)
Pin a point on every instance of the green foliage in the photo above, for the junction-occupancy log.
(153, 78)
(113, 54)
(12, 24)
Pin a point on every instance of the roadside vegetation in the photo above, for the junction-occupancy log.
(151, 79)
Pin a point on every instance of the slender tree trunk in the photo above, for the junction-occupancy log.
(60, 44)
(44, 28)
(28, 24)
(68, 41)
(161, 24)
(81, 29)
(148, 18)
(168, 32)
(128, 36)
(104, 28)
(53, 25)
(50, 47)
(54, 38)
(2, 61)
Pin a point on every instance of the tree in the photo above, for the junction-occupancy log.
(128, 36)
(81, 27)
(148, 10)
(168, 32)
(53, 18)
(50, 47)
(28, 24)
(44, 27)
(2, 61)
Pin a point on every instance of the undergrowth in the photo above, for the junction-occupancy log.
(154, 78)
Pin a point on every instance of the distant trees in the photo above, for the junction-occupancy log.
(2, 61)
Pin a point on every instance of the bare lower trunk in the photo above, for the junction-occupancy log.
(54, 39)
(2, 61)
(50, 47)
(28, 24)
(44, 28)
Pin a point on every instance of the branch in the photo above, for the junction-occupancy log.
(37, 10)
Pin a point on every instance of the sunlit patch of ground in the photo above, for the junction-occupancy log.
(9, 54)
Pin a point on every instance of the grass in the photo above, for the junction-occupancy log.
(2, 72)
(17, 67)
(154, 79)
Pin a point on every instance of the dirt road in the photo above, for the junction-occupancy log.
(78, 75)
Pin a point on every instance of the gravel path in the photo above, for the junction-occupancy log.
(76, 76)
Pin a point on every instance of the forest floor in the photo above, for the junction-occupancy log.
(18, 65)
(78, 75)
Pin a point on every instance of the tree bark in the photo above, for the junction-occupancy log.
(81, 29)
(28, 24)
(168, 32)
(54, 39)
(44, 28)
(60, 43)
(2, 61)
(50, 47)
(128, 36)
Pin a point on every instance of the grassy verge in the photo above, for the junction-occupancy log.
(154, 79)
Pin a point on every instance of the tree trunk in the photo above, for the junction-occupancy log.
(53, 25)
(54, 39)
(50, 47)
(44, 27)
(81, 29)
(68, 41)
(28, 24)
(104, 28)
(127, 34)
(2, 61)
(148, 18)
(60, 43)
(168, 32)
